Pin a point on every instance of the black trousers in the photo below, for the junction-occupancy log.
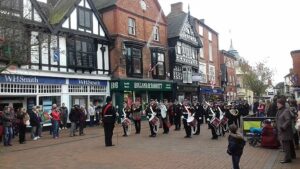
(296, 138)
(22, 131)
(198, 125)
(213, 131)
(108, 132)
(171, 119)
(177, 122)
(137, 124)
(289, 149)
(188, 129)
(165, 125)
(152, 129)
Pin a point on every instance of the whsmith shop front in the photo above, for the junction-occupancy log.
(133, 90)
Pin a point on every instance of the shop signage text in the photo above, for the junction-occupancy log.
(87, 82)
(138, 85)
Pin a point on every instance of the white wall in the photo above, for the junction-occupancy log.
(73, 18)
(63, 53)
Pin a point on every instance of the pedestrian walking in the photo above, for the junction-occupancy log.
(109, 118)
(236, 145)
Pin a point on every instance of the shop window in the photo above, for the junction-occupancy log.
(81, 54)
(158, 65)
(134, 64)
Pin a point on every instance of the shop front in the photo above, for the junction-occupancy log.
(138, 90)
(186, 91)
(209, 93)
(22, 91)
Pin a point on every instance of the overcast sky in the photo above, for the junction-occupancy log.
(261, 30)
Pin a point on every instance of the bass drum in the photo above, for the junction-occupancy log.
(193, 123)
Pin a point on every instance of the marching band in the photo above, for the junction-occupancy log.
(218, 116)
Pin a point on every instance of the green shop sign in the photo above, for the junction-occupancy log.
(122, 85)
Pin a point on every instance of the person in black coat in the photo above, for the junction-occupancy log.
(236, 145)
(109, 118)
(74, 118)
(177, 115)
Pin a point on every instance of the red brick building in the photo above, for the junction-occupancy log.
(209, 61)
(139, 62)
(296, 73)
(229, 78)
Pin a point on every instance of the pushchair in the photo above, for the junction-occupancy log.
(266, 135)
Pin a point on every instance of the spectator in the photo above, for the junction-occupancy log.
(42, 120)
(74, 118)
(91, 111)
(285, 131)
(23, 117)
(294, 114)
(55, 121)
(8, 118)
(82, 118)
(236, 145)
(34, 123)
(64, 115)
(261, 109)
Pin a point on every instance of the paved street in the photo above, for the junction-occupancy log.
(135, 152)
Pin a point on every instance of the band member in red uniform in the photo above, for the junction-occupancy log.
(109, 118)
(151, 112)
(214, 113)
(177, 115)
(199, 111)
(187, 111)
(126, 111)
(136, 116)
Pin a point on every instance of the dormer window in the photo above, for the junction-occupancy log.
(84, 18)
(11, 5)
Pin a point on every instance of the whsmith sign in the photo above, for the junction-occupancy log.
(31, 79)
(140, 85)
(87, 82)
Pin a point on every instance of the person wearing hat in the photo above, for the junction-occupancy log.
(285, 131)
(109, 117)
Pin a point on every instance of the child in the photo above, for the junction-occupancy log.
(236, 145)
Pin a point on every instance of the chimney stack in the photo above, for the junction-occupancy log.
(177, 7)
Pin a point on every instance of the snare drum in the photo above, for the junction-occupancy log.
(215, 122)
(191, 121)
(153, 120)
(126, 122)
(224, 121)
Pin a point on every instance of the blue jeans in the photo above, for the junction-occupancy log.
(236, 161)
(55, 128)
(8, 131)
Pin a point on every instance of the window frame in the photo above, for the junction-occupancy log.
(156, 33)
(85, 10)
(154, 61)
(75, 52)
(129, 61)
(131, 27)
(187, 73)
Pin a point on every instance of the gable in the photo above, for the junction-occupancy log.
(187, 33)
(29, 11)
(84, 19)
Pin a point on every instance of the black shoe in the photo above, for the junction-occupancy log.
(153, 135)
(214, 138)
(187, 137)
(110, 145)
(294, 157)
(285, 161)
(125, 135)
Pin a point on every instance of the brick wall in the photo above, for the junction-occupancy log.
(296, 62)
